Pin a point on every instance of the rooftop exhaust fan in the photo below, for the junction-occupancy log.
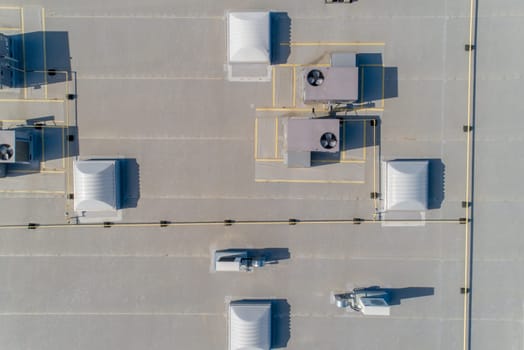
(6, 152)
(315, 77)
(328, 140)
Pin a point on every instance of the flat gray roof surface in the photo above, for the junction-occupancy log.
(150, 80)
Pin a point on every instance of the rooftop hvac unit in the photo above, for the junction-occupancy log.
(237, 261)
(330, 84)
(368, 301)
(305, 135)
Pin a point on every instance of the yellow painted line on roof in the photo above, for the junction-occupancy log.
(43, 171)
(319, 43)
(36, 100)
(158, 16)
(64, 145)
(33, 191)
(67, 101)
(13, 120)
(311, 181)
(146, 78)
(10, 8)
(273, 93)
(256, 138)
(361, 85)
(346, 161)
(383, 83)
(290, 65)
(6, 29)
(303, 65)
(372, 109)
(294, 90)
(375, 165)
(42, 162)
(352, 161)
(364, 140)
(276, 137)
(68, 166)
(22, 24)
(269, 159)
(45, 51)
(343, 143)
(284, 109)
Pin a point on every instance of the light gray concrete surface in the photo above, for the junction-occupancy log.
(497, 318)
(151, 86)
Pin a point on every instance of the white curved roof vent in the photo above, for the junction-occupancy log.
(96, 184)
(248, 37)
(407, 185)
(250, 325)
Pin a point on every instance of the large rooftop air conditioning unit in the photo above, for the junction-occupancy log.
(305, 135)
(330, 84)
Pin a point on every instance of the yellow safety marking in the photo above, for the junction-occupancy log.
(64, 144)
(43, 171)
(67, 163)
(273, 95)
(362, 85)
(294, 91)
(10, 8)
(364, 141)
(256, 138)
(5, 29)
(67, 101)
(343, 143)
(31, 100)
(276, 137)
(353, 161)
(286, 109)
(45, 51)
(13, 120)
(374, 166)
(317, 108)
(42, 126)
(33, 191)
(383, 83)
(303, 65)
(42, 163)
(23, 50)
(348, 161)
(68, 183)
(102, 77)
(311, 181)
(333, 44)
(269, 159)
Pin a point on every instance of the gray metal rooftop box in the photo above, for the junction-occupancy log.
(312, 135)
(330, 84)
